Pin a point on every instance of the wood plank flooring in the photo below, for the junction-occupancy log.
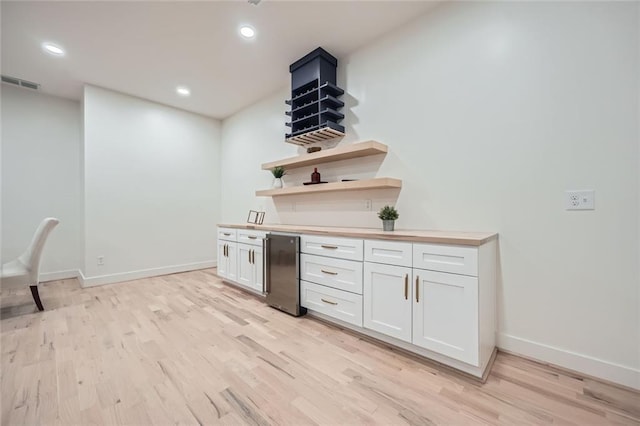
(188, 349)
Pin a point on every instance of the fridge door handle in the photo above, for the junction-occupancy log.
(266, 243)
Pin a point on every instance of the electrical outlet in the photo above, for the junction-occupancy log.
(100, 260)
(367, 205)
(580, 200)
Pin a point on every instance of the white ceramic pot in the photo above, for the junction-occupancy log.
(277, 183)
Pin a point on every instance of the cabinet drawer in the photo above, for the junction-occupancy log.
(389, 252)
(338, 304)
(442, 258)
(248, 236)
(228, 234)
(341, 248)
(337, 273)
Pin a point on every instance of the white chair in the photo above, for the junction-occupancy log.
(25, 269)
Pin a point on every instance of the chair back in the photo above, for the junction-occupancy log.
(31, 257)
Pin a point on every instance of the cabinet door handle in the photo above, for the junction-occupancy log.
(224, 250)
(329, 247)
(328, 272)
(249, 256)
(406, 287)
(252, 237)
(329, 302)
(418, 289)
(253, 257)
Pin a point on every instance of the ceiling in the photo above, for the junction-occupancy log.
(146, 49)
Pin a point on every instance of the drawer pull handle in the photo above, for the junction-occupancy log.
(406, 287)
(329, 247)
(418, 289)
(328, 272)
(226, 234)
(329, 302)
(252, 237)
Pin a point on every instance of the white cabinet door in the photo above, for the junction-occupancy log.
(223, 263)
(445, 314)
(388, 300)
(245, 266)
(232, 259)
(258, 269)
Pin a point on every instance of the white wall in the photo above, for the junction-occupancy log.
(151, 187)
(491, 111)
(41, 165)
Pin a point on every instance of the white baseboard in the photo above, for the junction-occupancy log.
(598, 368)
(143, 273)
(59, 275)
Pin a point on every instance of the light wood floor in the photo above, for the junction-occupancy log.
(187, 349)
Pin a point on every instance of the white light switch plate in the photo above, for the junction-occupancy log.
(580, 200)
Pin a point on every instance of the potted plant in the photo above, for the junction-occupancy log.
(278, 172)
(388, 214)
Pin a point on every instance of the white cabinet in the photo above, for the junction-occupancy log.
(228, 234)
(338, 304)
(250, 267)
(428, 295)
(241, 261)
(249, 236)
(227, 259)
(445, 314)
(331, 277)
(389, 252)
(341, 248)
(337, 273)
(445, 258)
(387, 300)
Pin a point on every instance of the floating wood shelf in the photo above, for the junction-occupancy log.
(377, 183)
(356, 150)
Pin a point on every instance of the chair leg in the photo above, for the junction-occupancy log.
(36, 297)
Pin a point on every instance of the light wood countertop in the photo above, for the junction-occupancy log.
(417, 236)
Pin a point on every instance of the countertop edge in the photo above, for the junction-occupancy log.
(419, 236)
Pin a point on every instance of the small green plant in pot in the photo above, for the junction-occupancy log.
(388, 214)
(278, 172)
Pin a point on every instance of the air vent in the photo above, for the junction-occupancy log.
(20, 82)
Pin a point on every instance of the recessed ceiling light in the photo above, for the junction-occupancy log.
(183, 91)
(53, 49)
(247, 32)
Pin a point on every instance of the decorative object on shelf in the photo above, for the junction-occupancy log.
(388, 214)
(255, 217)
(314, 99)
(313, 149)
(278, 172)
(315, 176)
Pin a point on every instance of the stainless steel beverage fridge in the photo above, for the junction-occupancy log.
(282, 273)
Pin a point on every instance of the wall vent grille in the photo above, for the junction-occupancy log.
(20, 82)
